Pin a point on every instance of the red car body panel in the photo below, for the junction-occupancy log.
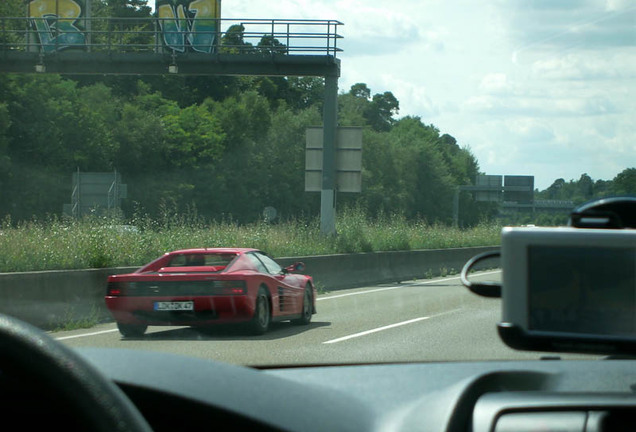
(220, 293)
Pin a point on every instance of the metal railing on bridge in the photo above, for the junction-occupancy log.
(157, 35)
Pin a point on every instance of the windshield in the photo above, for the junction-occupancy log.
(346, 157)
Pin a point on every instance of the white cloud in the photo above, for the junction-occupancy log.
(531, 130)
(619, 5)
(495, 84)
(585, 67)
(414, 98)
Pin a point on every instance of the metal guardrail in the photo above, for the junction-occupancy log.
(158, 35)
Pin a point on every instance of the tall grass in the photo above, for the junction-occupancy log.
(97, 242)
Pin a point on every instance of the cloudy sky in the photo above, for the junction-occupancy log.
(532, 87)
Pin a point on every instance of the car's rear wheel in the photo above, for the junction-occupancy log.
(132, 330)
(262, 314)
(308, 307)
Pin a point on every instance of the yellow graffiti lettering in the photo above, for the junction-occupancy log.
(168, 12)
(203, 28)
(192, 22)
(181, 12)
(204, 8)
(67, 9)
(174, 26)
(54, 23)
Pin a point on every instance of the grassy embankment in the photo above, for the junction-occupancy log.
(99, 243)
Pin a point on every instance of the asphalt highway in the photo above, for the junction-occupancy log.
(424, 320)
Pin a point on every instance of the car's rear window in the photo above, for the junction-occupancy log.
(201, 260)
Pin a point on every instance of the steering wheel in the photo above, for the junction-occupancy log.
(28, 353)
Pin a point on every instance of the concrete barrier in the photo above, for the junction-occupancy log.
(49, 299)
(332, 272)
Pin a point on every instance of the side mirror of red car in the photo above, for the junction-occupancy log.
(296, 267)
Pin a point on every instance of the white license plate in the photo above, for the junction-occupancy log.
(174, 306)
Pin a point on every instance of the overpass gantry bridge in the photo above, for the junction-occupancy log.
(76, 45)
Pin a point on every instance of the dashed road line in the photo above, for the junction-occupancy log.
(390, 326)
(364, 333)
(86, 334)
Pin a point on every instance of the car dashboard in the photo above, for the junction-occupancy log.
(180, 393)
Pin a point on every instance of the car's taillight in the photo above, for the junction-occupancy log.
(116, 288)
(230, 287)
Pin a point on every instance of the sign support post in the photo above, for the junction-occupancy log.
(328, 189)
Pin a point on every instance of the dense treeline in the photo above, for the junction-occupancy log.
(224, 146)
(228, 147)
(586, 188)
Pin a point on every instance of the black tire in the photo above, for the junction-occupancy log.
(262, 314)
(132, 330)
(308, 307)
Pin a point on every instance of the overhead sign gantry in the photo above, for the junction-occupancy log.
(186, 37)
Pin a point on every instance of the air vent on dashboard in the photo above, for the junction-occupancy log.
(563, 412)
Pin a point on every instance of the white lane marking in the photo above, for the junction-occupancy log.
(428, 282)
(390, 326)
(361, 292)
(86, 334)
(364, 333)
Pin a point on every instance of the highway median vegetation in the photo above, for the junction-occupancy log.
(98, 242)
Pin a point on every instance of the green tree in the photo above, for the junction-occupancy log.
(233, 41)
(269, 44)
(383, 188)
(461, 162)
(305, 92)
(140, 135)
(357, 107)
(12, 29)
(625, 182)
(56, 125)
(585, 188)
(360, 90)
(555, 190)
(602, 188)
(352, 108)
(281, 160)
(126, 8)
(5, 159)
(237, 179)
(405, 172)
(12, 8)
(194, 137)
(380, 112)
(428, 179)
